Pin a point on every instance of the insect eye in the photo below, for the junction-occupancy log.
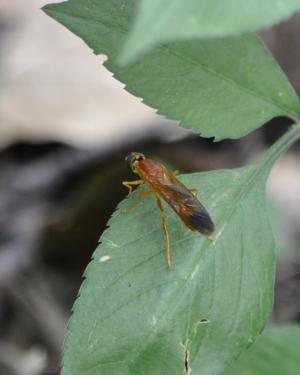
(133, 157)
(139, 156)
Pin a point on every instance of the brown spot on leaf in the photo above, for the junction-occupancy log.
(202, 321)
(186, 356)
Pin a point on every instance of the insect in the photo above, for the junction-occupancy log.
(166, 186)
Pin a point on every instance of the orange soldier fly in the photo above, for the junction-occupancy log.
(165, 185)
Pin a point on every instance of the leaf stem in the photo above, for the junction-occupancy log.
(280, 146)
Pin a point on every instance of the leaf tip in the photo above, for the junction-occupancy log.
(45, 8)
(50, 9)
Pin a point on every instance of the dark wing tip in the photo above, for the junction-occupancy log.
(201, 222)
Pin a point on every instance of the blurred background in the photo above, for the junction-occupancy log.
(65, 127)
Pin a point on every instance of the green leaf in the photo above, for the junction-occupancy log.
(275, 217)
(161, 21)
(135, 317)
(223, 88)
(276, 352)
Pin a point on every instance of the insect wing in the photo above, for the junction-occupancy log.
(188, 207)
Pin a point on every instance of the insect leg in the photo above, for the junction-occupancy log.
(139, 195)
(129, 184)
(194, 191)
(175, 173)
(166, 233)
(210, 237)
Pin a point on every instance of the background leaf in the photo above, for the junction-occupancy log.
(275, 352)
(161, 21)
(223, 88)
(136, 317)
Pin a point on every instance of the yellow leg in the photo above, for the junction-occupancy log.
(139, 195)
(129, 184)
(175, 173)
(194, 191)
(166, 233)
